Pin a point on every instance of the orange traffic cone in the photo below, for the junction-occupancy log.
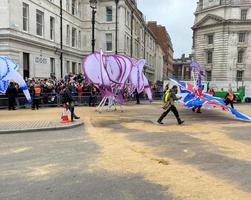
(64, 118)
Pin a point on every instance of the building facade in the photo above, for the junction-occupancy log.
(164, 41)
(181, 67)
(222, 40)
(31, 34)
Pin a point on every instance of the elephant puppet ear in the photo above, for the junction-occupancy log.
(149, 93)
(4, 86)
(104, 76)
(12, 64)
(140, 64)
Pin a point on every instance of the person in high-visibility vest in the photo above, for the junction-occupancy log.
(166, 96)
(229, 99)
(36, 95)
(170, 106)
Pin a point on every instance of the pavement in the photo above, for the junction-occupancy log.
(26, 120)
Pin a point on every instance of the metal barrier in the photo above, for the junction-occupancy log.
(54, 100)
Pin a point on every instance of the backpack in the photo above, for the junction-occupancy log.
(166, 96)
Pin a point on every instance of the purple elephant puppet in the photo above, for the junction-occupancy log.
(111, 74)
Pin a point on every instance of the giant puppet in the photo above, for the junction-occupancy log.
(112, 73)
(194, 96)
(8, 73)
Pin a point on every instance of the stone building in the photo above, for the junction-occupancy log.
(164, 41)
(30, 34)
(181, 68)
(222, 40)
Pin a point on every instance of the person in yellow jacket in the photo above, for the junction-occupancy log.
(170, 105)
(166, 96)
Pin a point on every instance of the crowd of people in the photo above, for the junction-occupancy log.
(47, 89)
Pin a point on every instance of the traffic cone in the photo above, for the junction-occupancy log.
(64, 118)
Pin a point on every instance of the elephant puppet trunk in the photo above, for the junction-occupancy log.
(16, 76)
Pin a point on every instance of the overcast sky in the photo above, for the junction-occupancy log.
(177, 16)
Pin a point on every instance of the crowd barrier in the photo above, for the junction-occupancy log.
(54, 100)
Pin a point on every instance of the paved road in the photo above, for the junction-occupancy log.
(56, 166)
(127, 156)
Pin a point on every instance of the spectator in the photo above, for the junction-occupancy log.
(11, 93)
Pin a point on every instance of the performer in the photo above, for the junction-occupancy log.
(229, 99)
(170, 106)
(197, 109)
(137, 97)
(69, 102)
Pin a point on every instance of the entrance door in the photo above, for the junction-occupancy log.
(26, 65)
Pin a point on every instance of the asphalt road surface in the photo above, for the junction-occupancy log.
(128, 156)
(55, 166)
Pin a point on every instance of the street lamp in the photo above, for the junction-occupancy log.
(116, 24)
(61, 39)
(93, 5)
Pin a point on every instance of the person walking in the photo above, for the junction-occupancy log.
(68, 102)
(229, 99)
(137, 97)
(170, 105)
(11, 92)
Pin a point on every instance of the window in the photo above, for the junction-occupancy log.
(73, 67)
(79, 68)
(40, 23)
(25, 17)
(210, 39)
(67, 66)
(209, 75)
(128, 18)
(242, 37)
(52, 63)
(79, 9)
(68, 35)
(209, 57)
(74, 37)
(108, 42)
(68, 5)
(240, 56)
(79, 39)
(74, 7)
(239, 75)
(127, 44)
(52, 28)
(108, 14)
(244, 15)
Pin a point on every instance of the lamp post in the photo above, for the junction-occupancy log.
(61, 39)
(93, 5)
(116, 29)
(132, 33)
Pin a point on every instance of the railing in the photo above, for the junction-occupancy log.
(55, 100)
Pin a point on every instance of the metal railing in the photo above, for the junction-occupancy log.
(55, 100)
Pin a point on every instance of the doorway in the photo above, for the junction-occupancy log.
(26, 65)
